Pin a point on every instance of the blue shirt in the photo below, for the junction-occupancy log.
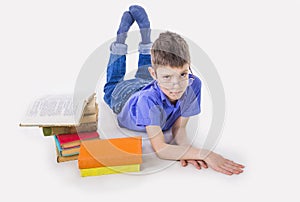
(150, 106)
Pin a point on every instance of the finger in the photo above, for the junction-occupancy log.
(222, 170)
(235, 164)
(235, 168)
(203, 164)
(194, 163)
(183, 163)
(232, 169)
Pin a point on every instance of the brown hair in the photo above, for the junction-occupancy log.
(170, 49)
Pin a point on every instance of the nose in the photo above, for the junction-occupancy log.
(176, 84)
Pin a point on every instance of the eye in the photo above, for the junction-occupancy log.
(183, 75)
(166, 77)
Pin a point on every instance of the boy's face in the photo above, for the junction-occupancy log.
(173, 81)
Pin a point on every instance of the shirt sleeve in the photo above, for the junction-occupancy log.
(193, 100)
(148, 112)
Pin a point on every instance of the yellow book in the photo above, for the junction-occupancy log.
(109, 170)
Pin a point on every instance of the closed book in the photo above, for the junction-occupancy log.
(110, 152)
(91, 108)
(60, 158)
(90, 118)
(85, 127)
(109, 170)
(74, 139)
(66, 152)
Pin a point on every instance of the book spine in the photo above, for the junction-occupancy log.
(85, 127)
(60, 159)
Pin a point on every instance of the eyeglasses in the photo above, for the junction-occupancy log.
(182, 80)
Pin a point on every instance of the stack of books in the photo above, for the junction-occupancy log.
(110, 156)
(68, 138)
(72, 121)
(67, 145)
(66, 119)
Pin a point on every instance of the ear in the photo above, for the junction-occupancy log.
(152, 72)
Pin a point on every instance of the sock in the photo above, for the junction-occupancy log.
(145, 34)
(125, 24)
(141, 17)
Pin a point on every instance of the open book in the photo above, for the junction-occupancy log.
(56, 110)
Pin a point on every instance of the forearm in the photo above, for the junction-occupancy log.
(172, 152)
(179, 152)
(180, 136)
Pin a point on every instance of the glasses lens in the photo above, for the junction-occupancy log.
(182, 83)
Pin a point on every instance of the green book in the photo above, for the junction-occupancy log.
(56, 130)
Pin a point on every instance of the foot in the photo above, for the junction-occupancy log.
(140, 15)
(126, 22)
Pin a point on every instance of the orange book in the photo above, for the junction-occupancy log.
(110, 152)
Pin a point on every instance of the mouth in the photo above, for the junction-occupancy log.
(175, 93)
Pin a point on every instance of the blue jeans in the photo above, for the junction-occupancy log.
(117, 90)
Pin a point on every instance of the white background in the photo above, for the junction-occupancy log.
(255, 48)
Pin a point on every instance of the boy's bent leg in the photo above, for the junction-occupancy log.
(123, 91)
(116, 69)
(144, 62)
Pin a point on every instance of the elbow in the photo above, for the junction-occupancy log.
(162, 155)
(162, 151)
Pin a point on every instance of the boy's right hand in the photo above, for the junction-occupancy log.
(222, 165)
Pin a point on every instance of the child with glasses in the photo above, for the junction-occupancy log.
(163, 94)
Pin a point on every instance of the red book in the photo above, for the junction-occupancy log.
(74, 139)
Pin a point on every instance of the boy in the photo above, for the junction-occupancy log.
(162, 96)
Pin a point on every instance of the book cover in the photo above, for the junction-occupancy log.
(74, 139)
(66, 152)
(110, 152)
(60, 158)
(109, 170)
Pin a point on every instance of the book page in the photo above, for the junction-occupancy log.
(55, 110)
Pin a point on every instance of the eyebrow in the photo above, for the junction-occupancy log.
(169, 73)
(185, 71)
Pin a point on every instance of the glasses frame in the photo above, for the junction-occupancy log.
(173, 83)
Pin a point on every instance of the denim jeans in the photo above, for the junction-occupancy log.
(117, 90)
